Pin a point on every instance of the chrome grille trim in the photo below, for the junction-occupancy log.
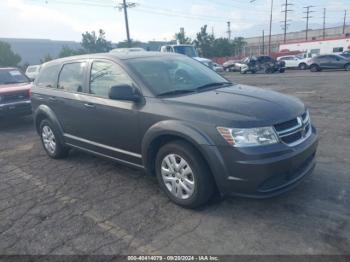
(303, 128)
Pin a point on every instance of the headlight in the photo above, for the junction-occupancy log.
(244, 137)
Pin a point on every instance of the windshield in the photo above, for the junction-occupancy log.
(12, 76)
(174, 74)
(186, 50)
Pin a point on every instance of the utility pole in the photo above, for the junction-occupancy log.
(263, 42)
(229, 30)
(124, 6)
(344, 24)
(324, 22)
(270, 34)
(285, 27)
(308, 12)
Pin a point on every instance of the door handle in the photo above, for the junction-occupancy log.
(89, 105)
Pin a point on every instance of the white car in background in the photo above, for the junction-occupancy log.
(33, 71)
(294, 61)
(218, 68)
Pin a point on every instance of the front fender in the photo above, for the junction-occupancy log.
(176, 128)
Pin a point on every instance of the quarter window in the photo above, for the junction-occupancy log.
(72, 77)
(48, 76)
(104, 75)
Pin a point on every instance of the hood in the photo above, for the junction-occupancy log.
(9, 88)
(239, 106)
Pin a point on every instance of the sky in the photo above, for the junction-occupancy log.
(157, 19)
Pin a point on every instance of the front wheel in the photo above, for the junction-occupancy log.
(184, 175)
(347, 67)
(302, 66)
(282, 70)
(314, 68)
(52, 144)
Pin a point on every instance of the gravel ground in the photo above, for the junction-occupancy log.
(88, 205)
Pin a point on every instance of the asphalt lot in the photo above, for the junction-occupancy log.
(88, 205)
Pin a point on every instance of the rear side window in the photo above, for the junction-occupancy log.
(104, 75)
(71, 78)
(48, 76)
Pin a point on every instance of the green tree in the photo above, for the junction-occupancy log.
(67, 51)
(182, 39)
(46, 58)
(7, 56)
(204, 42)
(92, 43)
(223, 47)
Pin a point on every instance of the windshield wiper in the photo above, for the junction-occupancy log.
(177, 92)
(212, 85)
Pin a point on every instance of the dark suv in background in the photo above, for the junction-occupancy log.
(320, 62)
(265, 64)
(172, 116)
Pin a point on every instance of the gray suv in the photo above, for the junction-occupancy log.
(174, 117)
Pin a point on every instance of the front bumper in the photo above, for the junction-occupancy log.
(16, 108)
(261, 172)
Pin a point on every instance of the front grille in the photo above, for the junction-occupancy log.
(16, 96)
(294, 131)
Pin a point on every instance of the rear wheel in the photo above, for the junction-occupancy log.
(52, 144)
(347, 67)
(302, 66)
(184, 175)
(314, 68)
(282, 70)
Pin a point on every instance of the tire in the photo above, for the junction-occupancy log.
(282, 70)
(253, 72)
(51, 141)
(243, 72)
(347, 67)
(194, 175)
(302, 66)
(314, 68)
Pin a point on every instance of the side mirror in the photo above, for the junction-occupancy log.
(124, 92)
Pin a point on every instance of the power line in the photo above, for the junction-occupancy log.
(308, 12)
(285, 11)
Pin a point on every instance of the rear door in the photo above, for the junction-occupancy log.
(68, 97)
(107, 126)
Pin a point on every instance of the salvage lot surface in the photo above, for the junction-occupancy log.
(88, 205)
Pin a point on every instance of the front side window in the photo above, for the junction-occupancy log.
(48, 76)
(104, 75)
(72, 77)
(177, 74)
(12, 76)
